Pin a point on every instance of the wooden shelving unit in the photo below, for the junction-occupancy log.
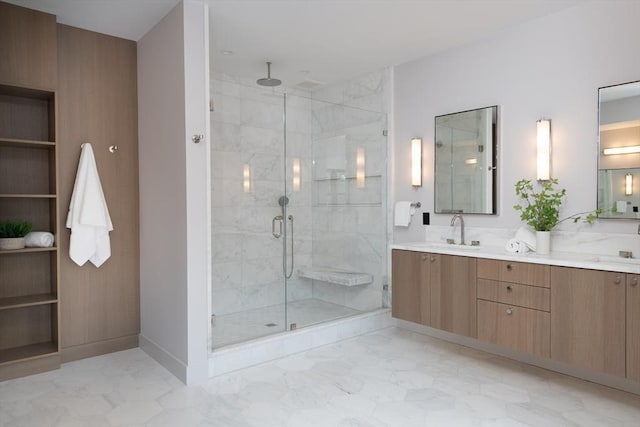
(29, 309)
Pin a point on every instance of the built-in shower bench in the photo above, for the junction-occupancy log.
(344, 278)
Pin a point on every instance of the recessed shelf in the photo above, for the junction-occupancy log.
(345, 178)
(27, 301)
(28, 250)
(356, 205)
(27, 196)
(26, 143)
(26, 352)
(26, 92)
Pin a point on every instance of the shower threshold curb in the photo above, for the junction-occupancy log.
(243, 355)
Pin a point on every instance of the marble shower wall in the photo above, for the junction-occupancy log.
(247, 171)
(350, 205)
(340, 222)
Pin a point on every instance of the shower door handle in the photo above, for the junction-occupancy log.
(279, 220)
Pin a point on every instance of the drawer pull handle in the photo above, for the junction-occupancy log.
(509, 311)
(509, 267)
(424, 257)
(509, 288)
(634, 281)
(433, 258)
(618, 280)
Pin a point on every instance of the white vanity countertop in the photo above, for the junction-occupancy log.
(564, 259)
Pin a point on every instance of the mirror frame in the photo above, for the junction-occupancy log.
(599, 147)
(493, 165)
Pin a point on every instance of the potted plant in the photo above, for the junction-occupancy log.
(12, 234)
(541, 210)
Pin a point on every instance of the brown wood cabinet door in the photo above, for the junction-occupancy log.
(98, 104)
(588, 319)
(410, 286)
(453, 294)
(633, 327)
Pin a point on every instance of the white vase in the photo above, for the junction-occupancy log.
(543, 242)
(7, 244)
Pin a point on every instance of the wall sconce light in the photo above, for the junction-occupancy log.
(295, 180)
(416, 162)
(544, 149)
(360, 176)
(246, 178)
(628, 184)
(631, 149)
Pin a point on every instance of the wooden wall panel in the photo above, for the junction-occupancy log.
(97, 103)
(27, 47)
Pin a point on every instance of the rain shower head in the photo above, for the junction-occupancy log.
(268, 81)
(283, 201)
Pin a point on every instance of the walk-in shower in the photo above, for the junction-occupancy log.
(298, 211)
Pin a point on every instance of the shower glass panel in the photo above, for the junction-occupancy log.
(298, 215)
(247, 181)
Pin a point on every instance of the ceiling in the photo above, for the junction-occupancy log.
(323, 40)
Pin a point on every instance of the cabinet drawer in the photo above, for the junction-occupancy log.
(515, 272)
(518, 328)
(511, 293)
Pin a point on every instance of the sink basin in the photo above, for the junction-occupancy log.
(436, 245)
(614, 259)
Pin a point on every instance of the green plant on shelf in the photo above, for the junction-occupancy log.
(14, 229)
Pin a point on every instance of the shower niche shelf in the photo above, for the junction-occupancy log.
(344, 278)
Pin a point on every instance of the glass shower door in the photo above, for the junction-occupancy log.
(247, 182)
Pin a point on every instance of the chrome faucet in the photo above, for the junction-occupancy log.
(453, 223)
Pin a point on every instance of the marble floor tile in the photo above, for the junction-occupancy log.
(389, 378)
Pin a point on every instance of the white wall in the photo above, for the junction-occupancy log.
(550, 67)
(163, 216)
(173, 196)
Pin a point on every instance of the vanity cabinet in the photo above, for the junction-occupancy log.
(584, 318)
(588, 319)
(435, 290)
(513, 305)
(633, 327)
(410, 279)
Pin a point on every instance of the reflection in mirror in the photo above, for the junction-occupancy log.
(465, 162)
(619, 159)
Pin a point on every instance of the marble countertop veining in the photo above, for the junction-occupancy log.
(564, 259)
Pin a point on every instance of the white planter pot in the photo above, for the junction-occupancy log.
(543, 242)
(7, 244)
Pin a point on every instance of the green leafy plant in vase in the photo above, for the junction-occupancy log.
(12, 234)
(541, 209)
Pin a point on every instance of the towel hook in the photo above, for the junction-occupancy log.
(113, 149)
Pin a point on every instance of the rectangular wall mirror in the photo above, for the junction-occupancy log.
(466, 161)
(619, 151)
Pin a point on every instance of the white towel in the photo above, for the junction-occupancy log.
(403, 214)
(516, 246)
(527, 236)
(621, 206)
(88, 216)
(39, 239)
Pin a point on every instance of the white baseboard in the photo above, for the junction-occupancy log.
(163, 357)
